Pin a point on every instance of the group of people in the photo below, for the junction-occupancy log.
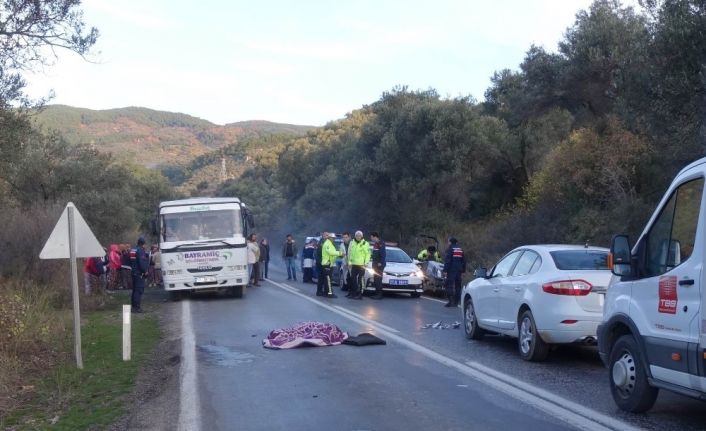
(319, 260)
(124, 267)
(258, 260)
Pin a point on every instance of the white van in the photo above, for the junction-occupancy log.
(653, 334)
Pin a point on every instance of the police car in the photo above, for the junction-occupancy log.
(400, 275)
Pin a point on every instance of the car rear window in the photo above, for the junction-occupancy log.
(580, 259)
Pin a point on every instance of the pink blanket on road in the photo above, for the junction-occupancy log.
(305, 334)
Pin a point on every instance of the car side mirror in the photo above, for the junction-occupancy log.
(620, 258)
(481, 273)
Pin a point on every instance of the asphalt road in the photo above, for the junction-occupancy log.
(423, 379)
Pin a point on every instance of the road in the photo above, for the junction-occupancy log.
(423, 379)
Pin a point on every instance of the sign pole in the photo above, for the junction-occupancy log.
(74, 288)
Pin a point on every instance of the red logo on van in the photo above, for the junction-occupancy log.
(668, 295)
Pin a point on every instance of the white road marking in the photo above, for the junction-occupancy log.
(571, 413)
(433, 299)
(189, 406)
(370, 321)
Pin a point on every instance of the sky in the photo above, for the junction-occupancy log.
(300, 62)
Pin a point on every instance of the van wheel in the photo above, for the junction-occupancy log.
(470, 322)
(531, 346)
(175, 295)
(628, 379)
(415, 294)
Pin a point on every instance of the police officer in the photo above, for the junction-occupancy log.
(357, 259)
(454, 266)
(379, 262)
(140, 264)
(429, 253)
(328, 260)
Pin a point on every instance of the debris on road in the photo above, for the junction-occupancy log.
(441, 325)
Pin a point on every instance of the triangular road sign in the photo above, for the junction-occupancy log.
(57, 246)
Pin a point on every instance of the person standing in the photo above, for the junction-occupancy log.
(253, 258)
(264, 258)
(156, 262)
(454, 266)
(92, 272)
(328, 261)
(139, 263)
(379, 262)
(308, 259)
(357, 259)
(289, 254)
(345, 277)
(114, 266)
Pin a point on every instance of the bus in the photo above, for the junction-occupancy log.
(202, 243)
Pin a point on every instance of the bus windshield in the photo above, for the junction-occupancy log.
(201, 225)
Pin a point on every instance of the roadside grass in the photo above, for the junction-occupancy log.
(66, 398)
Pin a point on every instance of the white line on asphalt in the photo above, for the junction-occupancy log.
(189, 408)
(370, 321)
(433, 299)
(542, 393)
(582, 418)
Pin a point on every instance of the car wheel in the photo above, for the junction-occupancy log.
(530, 344)
(628, 379)
(415, 294)
(470, 323)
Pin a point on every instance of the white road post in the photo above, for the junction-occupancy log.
(74, 288)
(126, 332)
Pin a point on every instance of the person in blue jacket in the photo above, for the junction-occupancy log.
(454, 266)
(140, 264)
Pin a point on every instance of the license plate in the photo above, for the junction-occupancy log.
(205, 279)
(398, 282)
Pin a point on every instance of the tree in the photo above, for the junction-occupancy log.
(31, 32)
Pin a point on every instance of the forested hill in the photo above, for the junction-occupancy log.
(151, 138)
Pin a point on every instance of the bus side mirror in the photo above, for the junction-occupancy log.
(251, 220)
(620, 257)
(154, 227)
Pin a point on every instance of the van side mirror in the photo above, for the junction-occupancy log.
(481, 273)
(620, 258)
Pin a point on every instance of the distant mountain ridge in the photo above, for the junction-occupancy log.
(153, 138)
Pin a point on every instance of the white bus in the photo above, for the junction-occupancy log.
(202, 245)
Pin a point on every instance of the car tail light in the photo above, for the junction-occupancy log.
(568, 287)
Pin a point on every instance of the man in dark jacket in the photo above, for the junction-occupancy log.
(454, 266)
(140, 264)
(379, 259)
(289, 255)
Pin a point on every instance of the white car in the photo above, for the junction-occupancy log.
(400, 275)
(541, 294)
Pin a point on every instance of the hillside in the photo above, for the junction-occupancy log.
(153, 138)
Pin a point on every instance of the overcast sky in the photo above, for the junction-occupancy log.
(302, 62)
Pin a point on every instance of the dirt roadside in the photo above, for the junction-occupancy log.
(154, 403)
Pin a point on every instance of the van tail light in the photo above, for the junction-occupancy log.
(568, 287)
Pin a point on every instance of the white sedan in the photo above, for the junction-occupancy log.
(542, 294)
(401, 274)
